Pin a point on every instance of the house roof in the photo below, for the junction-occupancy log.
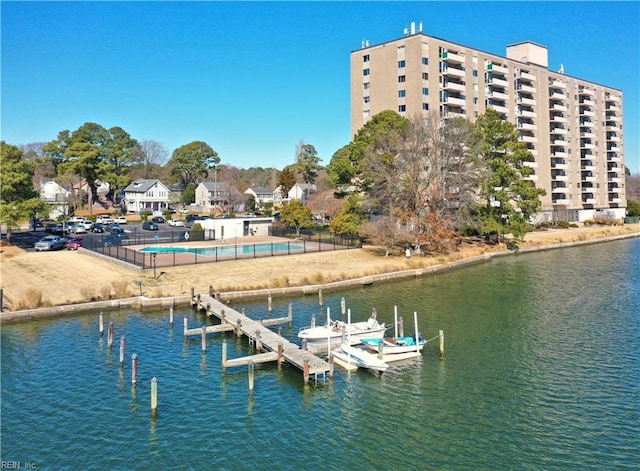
(214, 186)
(141, 186)
(260, 191)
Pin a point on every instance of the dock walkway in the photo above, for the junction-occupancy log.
(257, 331)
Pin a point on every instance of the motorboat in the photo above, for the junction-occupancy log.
(332, 331)
(394, 345)
(348, 355)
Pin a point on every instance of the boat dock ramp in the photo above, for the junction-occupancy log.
(274, 346)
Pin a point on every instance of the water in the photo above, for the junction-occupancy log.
(266, 247)
(541, 371)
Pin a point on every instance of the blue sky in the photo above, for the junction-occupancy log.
(254, 78)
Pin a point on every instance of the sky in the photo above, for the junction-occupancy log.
(253, 79)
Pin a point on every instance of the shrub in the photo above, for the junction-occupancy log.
(197, 232)
(120, 288)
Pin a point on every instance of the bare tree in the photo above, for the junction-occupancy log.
(150, 152)
(633, 187)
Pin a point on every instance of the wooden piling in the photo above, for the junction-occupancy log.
(270, 303)
(313, 321)
(258, 341)
(222, 315)
(193, 294)
(290, 314)
(204, 339)
(250, 371)
(441, 350)
(331, 368)
(279, 331)
(101, 322)
(154, 397)
(280, 354)
(320, 297)
(224, 354)
(381, 348)
(305, 371)
(401, 327)
(134, 369)
(395, 321)
(198, 300)
(122, 342)
(239, 330)
(211, 291)
(343, 307)
(186, 326)
(303, 344)
(110, 335)
(171, 316)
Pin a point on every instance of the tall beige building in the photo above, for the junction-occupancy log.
(573, 127)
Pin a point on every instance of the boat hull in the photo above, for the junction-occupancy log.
(354, 333)
(392, 346)
(363, 359)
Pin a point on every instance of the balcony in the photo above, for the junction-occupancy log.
(561, 189)
(526, 113)
(558, 142)
(528, 138)
(450, 114)
(458, 87)
(560, 166)
(558, 119)
(559, 155)
(587, 124)
(452, 57)
(613, 139)
(558, 84)
(613, 158)
(525, 88)
(560, 131)
(455, 101)
(587, 145)
(558, 107)
(585, 112)
(613, 99)
(587, 102)
(614, 180)
(557, 95)
(588, 168)
(525, 76)
(498, 95)
(614, 118)
(527, 126)
(586, 91)
(498, 108)
(615, 200)
(589, 178)
(498, 82)
(590, 200)
(453, 72)
(613, 148)
(500, 69)
(526, 101)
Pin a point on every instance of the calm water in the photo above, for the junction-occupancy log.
(542, 371)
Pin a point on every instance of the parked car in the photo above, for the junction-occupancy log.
(74, 244)
(104, 219)
(54, 228)
(149, 226)
(158, 219)
(176, 223)
(97, 227)
(119, 232)
(120, 220)
(50, 242)
(112, 241)
(77, 229)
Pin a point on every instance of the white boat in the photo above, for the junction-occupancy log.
(348, 355)
(394, 345)
(333, 331)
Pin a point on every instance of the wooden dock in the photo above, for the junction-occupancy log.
(277, 347)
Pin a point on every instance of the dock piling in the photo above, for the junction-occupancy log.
(258, 341)
(305, 371)
(154, 397)
(313, 321)
(270, 303)
(204, 339)
(101, 322)
(186, 326)
(250, 371)
(441, 350)
(290, 314)
(320, 297)
(401, 327)
(343, 307)
(280, 354)
(134, 369)
(211, 291)
(171, 316)
(110, 335)
(239, 330)
(122, 342)
(224, 354)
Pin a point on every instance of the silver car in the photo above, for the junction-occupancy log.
(50, 242)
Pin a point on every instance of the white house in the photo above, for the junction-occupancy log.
(261, 195)
(210, 195)
(55, 195)
(152, 195)
(300, 191)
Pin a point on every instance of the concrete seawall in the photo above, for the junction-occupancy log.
(143, 302)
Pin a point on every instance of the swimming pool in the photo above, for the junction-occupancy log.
(230, 250)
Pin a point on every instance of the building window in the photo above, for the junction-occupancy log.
(475, 73)
(402, 93)
(401, 78)
(366, 85)
(425, 91)
(425, 76)
(425, 106)
(365, 72)
(425, 61)
(401, 64)
(367, 99)
(365, 58)
(402, 108)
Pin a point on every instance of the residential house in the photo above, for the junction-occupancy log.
(210, 195)
(261, 196)
(300, 191)
(56, 196)
(151, 195)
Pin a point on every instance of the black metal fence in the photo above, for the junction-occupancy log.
(169, 248)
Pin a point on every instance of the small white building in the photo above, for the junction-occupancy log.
(151, 195)
(56, 196)
(230, 228)
(261, 195)
(300, 191)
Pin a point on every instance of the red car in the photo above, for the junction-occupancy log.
(74, 244)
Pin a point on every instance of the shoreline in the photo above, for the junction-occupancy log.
(144, 302)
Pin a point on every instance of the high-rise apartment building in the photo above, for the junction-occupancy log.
(573, 127)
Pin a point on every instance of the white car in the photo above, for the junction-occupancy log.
(120, 220)
(176, 223)
(104, 220)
